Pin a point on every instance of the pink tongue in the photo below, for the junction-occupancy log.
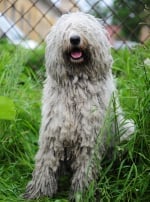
(76, 55)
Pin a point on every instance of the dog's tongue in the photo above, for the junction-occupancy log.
(76, 54)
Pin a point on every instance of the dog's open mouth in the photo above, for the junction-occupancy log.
(76, 55)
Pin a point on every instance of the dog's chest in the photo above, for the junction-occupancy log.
(81, 112)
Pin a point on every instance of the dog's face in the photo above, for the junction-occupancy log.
(76, 50)
(78, 40)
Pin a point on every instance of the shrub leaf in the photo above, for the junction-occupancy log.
(7, 108)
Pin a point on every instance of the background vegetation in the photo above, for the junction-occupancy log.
(131, 15)
(128, 15)
(122, 179)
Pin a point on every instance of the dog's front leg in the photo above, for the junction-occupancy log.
(84, 170)
(44, 181)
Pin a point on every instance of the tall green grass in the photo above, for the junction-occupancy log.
(18, 138)
(123, 178)
(126, 177)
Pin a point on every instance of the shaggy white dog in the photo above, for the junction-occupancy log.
(76, 98)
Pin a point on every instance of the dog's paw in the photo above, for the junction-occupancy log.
(41, 185)
(129, 128)
(32, 192)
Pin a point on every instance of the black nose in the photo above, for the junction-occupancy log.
(75, 40)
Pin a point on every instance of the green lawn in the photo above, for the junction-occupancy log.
(125, 178)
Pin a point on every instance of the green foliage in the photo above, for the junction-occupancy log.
(7, 108)
(123, 178)
(18, 137)
(129, 14)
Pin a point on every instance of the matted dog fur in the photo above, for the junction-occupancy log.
(76, 97)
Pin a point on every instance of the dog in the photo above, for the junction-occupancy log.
(76, 100)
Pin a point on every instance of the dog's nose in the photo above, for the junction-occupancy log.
(75, 40)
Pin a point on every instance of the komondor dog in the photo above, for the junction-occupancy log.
(77, 98)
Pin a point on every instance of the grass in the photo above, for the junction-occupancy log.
(124, 178)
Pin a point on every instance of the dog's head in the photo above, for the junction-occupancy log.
(78, 42)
